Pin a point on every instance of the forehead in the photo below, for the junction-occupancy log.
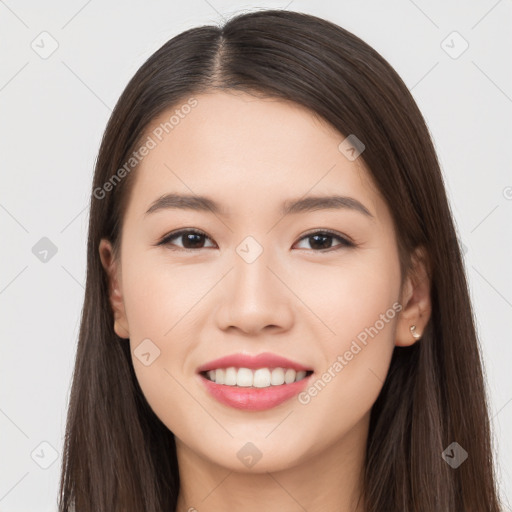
(247, 152)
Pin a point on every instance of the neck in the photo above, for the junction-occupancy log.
(324, 481)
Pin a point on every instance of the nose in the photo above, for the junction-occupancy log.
(255, 297)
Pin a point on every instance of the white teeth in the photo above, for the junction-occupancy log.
(243, 378)
(289, 376)
(260, 378)
(300, 375)
(219, 375)
(277, 377)
(230, 377)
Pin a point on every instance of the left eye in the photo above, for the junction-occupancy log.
(323, 238)
(193, 239)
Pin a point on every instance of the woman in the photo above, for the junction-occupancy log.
(276, 313)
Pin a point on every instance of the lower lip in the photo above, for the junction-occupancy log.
(254, 399)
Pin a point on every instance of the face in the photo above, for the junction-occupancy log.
(318, 287)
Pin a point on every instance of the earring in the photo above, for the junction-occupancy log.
(415, 334)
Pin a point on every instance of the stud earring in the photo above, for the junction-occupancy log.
(415, 334)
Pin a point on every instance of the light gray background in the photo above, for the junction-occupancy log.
(54, 111)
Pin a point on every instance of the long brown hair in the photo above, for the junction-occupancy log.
(117, 454)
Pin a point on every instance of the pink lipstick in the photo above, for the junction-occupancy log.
(254, 383)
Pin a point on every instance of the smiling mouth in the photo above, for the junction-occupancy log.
(255, 378)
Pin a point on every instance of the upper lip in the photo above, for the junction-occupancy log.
(264, 360)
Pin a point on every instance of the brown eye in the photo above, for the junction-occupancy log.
(322, 240)
(191, 239)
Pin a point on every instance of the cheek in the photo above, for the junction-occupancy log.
(352, 295)
(160, 297)
(159, 302)
(359, 303)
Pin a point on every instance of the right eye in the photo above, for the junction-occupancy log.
(191, 239)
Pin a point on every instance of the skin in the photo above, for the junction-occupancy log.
(251, 154)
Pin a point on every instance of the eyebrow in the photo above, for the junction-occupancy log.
(294, 206)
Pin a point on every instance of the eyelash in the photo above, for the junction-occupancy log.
(166, 240)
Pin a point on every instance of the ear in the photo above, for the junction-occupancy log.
(415, 300)
(111, 266)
